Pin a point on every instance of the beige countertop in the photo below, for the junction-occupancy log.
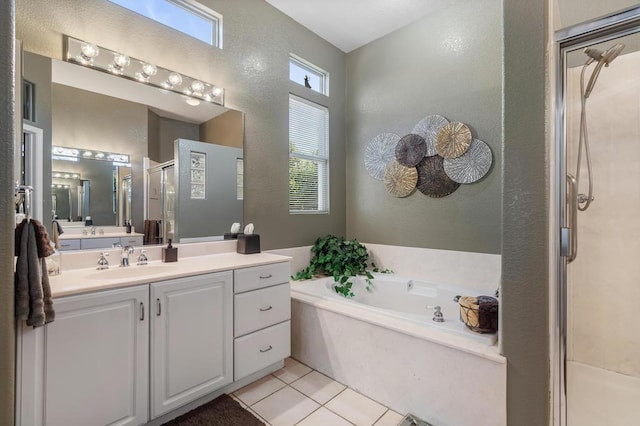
(78, 236)
(79, 281)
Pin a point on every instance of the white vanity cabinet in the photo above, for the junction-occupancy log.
(191, 339)
(262, 314)
(89, 366)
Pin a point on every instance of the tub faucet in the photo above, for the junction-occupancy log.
(437, 314)
(126, 251)
(103, 263)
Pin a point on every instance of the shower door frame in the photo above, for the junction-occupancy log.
(604, 29)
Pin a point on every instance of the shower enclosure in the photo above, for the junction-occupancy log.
(598, 299)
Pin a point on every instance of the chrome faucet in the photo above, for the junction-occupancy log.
(93, 230)
(103, 263)
(126, 251)
(142, 259)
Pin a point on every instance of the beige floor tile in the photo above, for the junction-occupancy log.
(324, 417)
(390, 418)
(285, 407)
(356, 408)
(259, 389)
(292, 370)
(256, 415)
(318, 386)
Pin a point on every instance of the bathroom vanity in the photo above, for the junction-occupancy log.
(130, 345)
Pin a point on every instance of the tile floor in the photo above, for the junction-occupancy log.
(299, 395)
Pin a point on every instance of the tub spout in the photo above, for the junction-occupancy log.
(437, 313)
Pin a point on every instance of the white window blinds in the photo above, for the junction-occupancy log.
(308, 156)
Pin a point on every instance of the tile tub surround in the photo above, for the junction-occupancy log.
(436, 382)
(463, 269)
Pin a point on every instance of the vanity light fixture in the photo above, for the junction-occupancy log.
(72, 154)
(121, 65)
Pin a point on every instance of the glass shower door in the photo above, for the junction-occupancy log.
(603, 282)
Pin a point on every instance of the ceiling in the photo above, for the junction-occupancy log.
(350, 24)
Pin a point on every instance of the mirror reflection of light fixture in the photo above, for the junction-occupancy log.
(72, 154)
(121, 65)
(65, 175)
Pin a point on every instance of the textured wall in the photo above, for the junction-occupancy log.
(253, 67)
(524, 302)
(7, 338)
(450, 64)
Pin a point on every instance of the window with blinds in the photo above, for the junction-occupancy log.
(308, 156)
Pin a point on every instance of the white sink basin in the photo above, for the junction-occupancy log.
(117, 272)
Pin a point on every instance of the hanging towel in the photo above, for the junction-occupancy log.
(56, 231)
(43, 243)
(33, 292)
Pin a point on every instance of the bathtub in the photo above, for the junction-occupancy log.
(404, 299)
(383, 343)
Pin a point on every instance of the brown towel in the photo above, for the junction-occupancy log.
(33, 292)
(43, 243)
(488, 313)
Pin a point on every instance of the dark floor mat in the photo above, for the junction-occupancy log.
(222, 411)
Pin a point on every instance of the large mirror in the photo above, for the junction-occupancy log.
(95, 112)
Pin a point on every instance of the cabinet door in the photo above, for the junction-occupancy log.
(89, 366)
(191, 339)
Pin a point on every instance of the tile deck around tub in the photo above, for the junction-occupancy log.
(299, 395)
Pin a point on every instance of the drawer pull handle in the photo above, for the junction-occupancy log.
(266, 350)
(141, 311)
(266, 309)
(264, 277)
(158, 307)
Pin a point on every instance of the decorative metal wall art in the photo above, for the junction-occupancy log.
(436, 158)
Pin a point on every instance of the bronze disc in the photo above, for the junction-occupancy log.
(399, 180)
(410, 150)
(432, 179)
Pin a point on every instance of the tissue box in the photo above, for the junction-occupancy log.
(231, 235)
(248, 243)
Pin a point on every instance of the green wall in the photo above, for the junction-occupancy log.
(253, 68)
(449, 63)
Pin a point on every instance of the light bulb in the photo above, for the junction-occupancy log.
(87, 153)
(88, 51)
(175, 79)
(198, 87)
(149, 69)
(100, 155)
(217, 91)
(121, 60)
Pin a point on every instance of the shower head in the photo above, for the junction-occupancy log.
(603, 58)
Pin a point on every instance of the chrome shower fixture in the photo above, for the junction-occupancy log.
(603, 58)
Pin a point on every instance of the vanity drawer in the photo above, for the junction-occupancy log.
(261, 308)
(260, 276)
(261, 349)
(69, 245)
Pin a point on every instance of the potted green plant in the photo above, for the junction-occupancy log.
(342, 259)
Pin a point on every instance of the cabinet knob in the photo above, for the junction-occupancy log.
(267, 349)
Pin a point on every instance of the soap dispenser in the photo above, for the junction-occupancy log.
(170, 253)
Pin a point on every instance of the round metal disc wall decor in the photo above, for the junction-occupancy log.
(399, 180)
(472, 165)
(428, 128)
(380, 151)
(432, 179)
(453, 140)
(411, 150)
